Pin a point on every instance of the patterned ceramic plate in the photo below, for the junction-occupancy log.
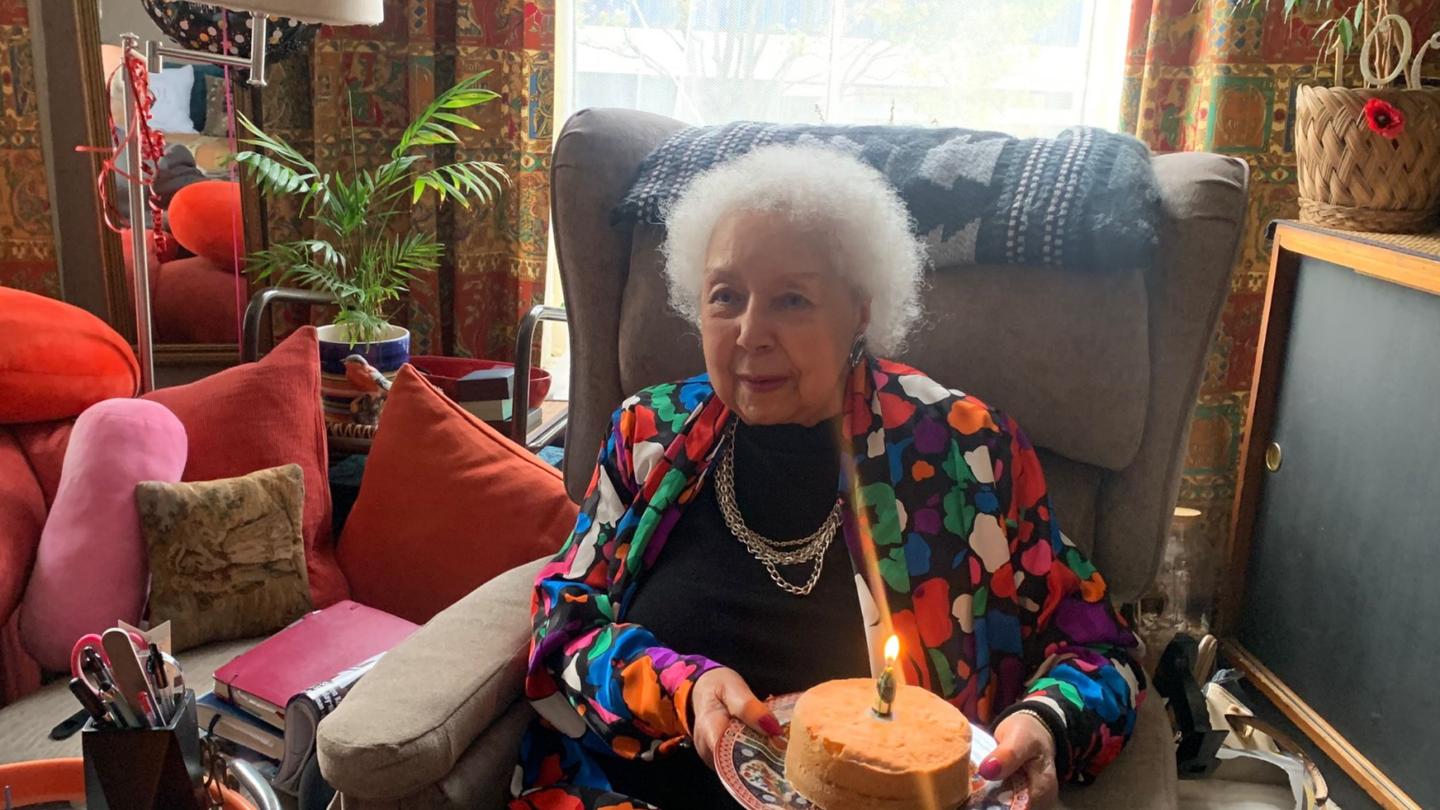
(754, 771)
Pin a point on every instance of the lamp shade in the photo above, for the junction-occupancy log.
(209, 29)
(331, 12)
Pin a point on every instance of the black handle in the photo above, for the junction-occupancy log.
(67, 727)
(1197, 741)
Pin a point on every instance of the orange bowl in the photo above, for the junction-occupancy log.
(443, 372)
(63, 780)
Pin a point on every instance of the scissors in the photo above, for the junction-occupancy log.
(93, 642)
(90, 665)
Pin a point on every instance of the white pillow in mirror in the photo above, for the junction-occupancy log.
(171, 87)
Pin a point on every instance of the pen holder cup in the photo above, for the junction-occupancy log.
(145, 768)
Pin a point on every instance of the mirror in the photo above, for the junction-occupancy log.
(344, 101)
(210, 221)
(197, 294)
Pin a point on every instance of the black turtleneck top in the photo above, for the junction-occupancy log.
(707, 595)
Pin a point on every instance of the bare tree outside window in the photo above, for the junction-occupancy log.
(1028, 67)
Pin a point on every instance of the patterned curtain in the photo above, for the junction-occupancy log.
(494, 269)
(27, 237)
(1218, 76)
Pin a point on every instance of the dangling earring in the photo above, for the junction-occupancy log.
(857, 350)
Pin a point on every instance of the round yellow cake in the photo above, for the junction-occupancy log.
(843, 757)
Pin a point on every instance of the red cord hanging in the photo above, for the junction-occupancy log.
(152, 143)
(152, 148)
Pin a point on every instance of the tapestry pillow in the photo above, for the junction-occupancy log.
(56, 359)
(261, 415)
(446, 504)
(91, 542)
(227, 558)
(217, 121)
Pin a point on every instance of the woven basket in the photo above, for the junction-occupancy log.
(1354, 179)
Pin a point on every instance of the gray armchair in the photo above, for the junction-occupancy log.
(1102, 372)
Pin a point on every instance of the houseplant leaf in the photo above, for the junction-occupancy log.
(357, 256)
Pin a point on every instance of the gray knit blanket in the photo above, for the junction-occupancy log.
(1085, 200)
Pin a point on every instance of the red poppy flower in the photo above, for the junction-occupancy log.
(1384, 118)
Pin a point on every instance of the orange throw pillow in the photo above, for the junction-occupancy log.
(205, 219)
(446, 504)
(56, 359)
(263, 415)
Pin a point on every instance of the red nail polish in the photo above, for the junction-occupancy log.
(770, 725)
(990, 769)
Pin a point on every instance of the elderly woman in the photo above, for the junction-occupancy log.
(763, 528)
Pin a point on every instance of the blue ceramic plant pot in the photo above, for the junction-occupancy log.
(349, 394)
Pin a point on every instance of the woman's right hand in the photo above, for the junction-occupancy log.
(719, 695)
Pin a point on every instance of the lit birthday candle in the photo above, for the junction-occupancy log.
(885, 684)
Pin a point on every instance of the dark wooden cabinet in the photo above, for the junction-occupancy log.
(1332, 599)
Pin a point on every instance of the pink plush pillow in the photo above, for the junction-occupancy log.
(91, 568)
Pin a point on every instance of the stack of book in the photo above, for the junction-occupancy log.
(271, 699)
(489, 394)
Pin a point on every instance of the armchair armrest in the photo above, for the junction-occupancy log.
(255, 314)
(524, 345)
(406, 723)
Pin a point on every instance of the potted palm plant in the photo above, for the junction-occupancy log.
(355, 255)
(1365, 147)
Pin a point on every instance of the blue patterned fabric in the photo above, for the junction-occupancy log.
(1085, 200)
(554, 456)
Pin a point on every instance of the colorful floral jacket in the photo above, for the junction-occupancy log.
(955, 548)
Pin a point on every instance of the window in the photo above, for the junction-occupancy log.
(1027, 67)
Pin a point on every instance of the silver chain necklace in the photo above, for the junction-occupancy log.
(772, 553)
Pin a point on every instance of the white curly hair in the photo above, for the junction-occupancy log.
(872, 238)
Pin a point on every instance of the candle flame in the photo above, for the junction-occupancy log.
(892, 649)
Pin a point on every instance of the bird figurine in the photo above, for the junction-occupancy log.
(365, 377)
(373, 387)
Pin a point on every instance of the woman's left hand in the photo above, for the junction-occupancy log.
(1023, 741)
